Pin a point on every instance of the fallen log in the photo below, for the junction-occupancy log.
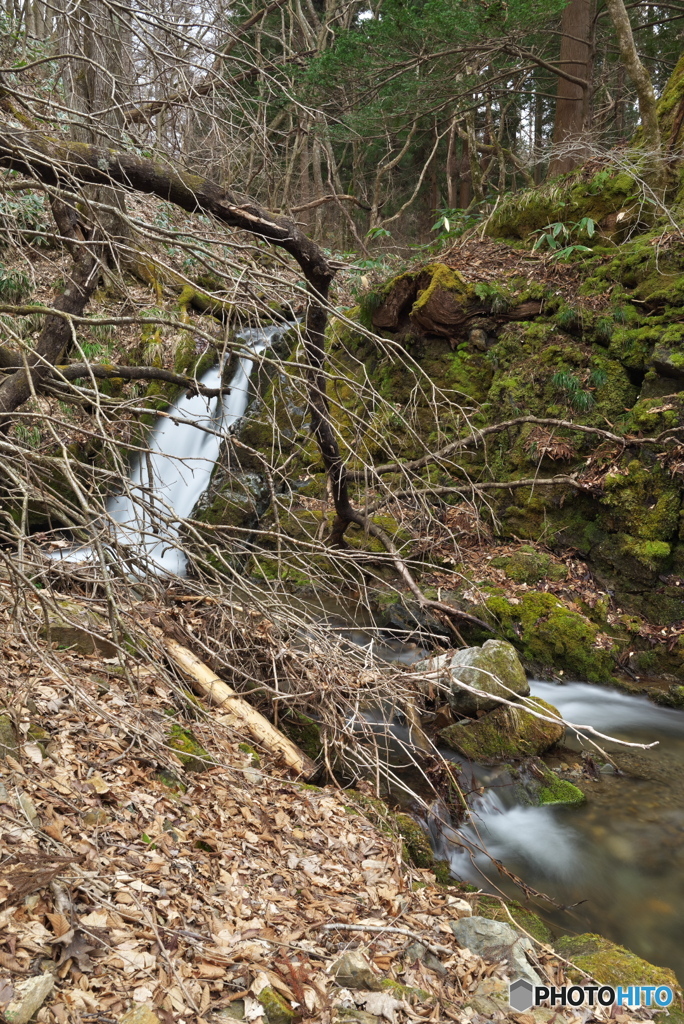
(241, 716)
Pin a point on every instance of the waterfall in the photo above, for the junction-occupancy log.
(166, 482)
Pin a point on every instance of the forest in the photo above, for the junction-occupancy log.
(341, 521)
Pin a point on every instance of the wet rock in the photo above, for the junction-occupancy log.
(496, 941)
(28, 997)
(509, 733)
(611, 964)
(79, 629)
(9, 741)
(494, 668)
(354, 971)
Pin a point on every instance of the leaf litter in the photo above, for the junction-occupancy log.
(203, 897)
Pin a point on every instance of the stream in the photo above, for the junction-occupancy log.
(621, 853)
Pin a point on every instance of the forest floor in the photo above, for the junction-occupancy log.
(203, 890)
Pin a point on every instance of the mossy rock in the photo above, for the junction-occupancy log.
(549, 634)
(508, 733)
(554, 790)
(74, 627)
(530, 566)
(610, 964)
(188, 749)
(303, 731)
(416, 842)
(489, 907)
(278, 1010)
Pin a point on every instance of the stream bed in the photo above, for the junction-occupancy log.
(621, 853)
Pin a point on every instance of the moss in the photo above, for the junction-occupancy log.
(507, 734)
(278, 1010)
(555, 790)
(303, 731)
(611, 964)
(549, 634)
(246, 749)
(416, 841)
(189, 751)
(407, 992)
(171, 781)
(488, 906)
(530, 566)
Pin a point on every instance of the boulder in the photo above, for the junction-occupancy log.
(508, 733)
(80, 629)
(610, 964)
(497, 941)
(353, 970)
(494, 668)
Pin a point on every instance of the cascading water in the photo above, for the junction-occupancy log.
(620, 856)
(166, 484)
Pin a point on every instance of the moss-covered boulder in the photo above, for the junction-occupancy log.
(493, 668)
(610, 964)
(553, 790)
(550, 635)
(508, 733)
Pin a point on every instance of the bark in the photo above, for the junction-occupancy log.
(572, 101)
(640, 77)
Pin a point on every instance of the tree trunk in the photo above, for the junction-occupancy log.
(572, 100)
(641, 79)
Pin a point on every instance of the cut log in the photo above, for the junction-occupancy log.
(241, 715)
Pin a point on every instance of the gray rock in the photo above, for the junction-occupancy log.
(668, 362)
(417, 951)
(494, 668)
(353, 970)
(28, 998)
(496, 941)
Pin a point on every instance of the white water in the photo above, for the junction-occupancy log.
(166, 484)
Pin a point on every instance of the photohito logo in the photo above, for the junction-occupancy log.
(522, 995)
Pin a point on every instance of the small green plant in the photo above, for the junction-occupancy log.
(451, 223)
(378, 232)
(559, 238)
(15, 285)
(572, 389)
(492, 297)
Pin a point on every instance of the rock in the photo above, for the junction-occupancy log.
(78, 628)
(489, 906)
(505, 734)
(494, 668)
(188, 749)
(354, 1016)
(667, 362)
(417, 951)
(29, 996)
(496, 941)
(9, 742)
(460, 907)
(491, 998)
(278, 1010)
(610, 964)
(234, 1011)
(354, 971)
(554, 790)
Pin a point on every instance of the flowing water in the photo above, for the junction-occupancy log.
(166, 484)
(622, 853)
